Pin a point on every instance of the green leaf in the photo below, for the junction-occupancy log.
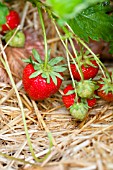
(4, 11)
(111, 47)
(55, 61)
(67, 9)
(36, 55)
(94, 22)
(35, 74)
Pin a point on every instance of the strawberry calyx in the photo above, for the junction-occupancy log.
(85, 59)
(106, 83)
(52, 70)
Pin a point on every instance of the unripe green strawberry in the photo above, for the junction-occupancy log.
(86, 88)
(17, 41)
(79, 111)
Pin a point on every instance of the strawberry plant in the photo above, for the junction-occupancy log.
(80, 21)
(42, 78)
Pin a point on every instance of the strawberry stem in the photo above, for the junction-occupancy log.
(72, 78)
(8, 26)
(95, 57)
(75, 53)
(44, 33)
(6, 65)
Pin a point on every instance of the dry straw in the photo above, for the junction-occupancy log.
(75, 146)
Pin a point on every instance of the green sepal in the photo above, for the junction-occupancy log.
(44, 75)
(59, 68)
(35, 74)
(50, 71)
(54, 75)
(107, 88)
(29, 60)
(54, 78)
(48, 78)
(57, 75)
(36, 55)
(55, 61)
(70, 92)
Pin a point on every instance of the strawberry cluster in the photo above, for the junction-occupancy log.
(43, 78)
(82, 95)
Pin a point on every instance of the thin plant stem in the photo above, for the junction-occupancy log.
(44, 33)
(74, 50)
(67, 50)
(6, 65)
(72, 78)
(95, 57)
(16, 159)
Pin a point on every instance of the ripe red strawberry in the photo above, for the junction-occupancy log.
(105, 90)
(88, 70)
(12, 21)
(41, 82)
(68, 100)
(91, 102)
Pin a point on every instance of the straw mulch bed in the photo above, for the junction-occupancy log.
(76, 146)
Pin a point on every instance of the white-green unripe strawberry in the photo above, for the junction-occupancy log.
(86, 88)
(17, 41)
(79, 111)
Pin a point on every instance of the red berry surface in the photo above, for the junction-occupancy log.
(12, 20)
(105, 96)
(91, 102)
(37, 88)
(88, 71)
(68, 100)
